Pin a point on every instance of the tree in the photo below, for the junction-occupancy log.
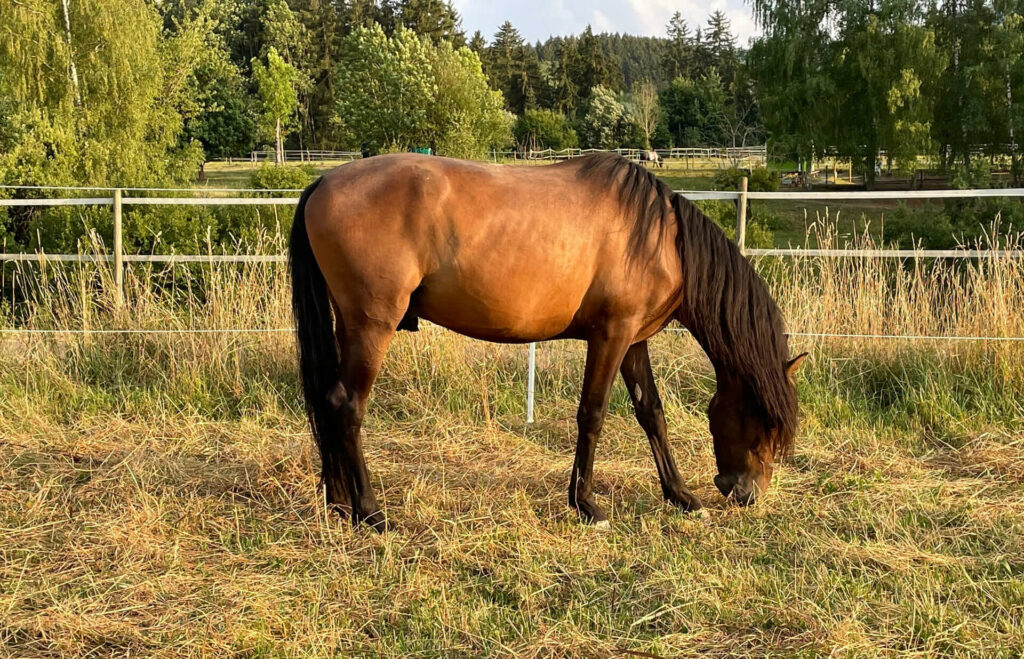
(544, 129)
(866, 75)
(594, 68)
(276, 87)
(400, 92)
(466, 117)
(223, 125)
(884, 58)
(645, 110)
(435, 19)
(580, 66)
(791, 67)
(679, 52)
(384, 88)
(721, 44)
(565, 90)
(602, 123)
(87, 102)
(693, 108)
(478, 44)
(1007, 60)
(513, 69)
(325, 22)
(282, 31)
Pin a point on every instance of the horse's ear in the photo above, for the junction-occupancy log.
(794, 364)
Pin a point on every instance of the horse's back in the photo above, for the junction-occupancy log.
(492, 251)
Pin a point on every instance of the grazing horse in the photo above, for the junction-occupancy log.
(595, 248)
(652, 157)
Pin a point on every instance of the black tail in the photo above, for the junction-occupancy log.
(314, 326)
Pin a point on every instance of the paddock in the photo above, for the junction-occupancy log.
(159, 483)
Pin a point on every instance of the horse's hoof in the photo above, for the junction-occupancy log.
(691, 506)
(376, 521)
(604, 526)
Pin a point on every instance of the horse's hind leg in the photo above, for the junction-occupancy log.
(639, 378)
(362, 352)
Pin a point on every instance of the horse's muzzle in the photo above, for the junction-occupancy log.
(742, 493)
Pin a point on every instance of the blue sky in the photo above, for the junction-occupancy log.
(539, 19)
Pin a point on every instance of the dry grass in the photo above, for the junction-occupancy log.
(158, 493)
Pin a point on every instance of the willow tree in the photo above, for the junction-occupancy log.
(853, 75)
(1008, 61)
(791, 68)
(91, 102)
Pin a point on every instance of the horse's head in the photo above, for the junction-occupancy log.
(745, 440)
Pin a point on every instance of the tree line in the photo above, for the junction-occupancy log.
(907, 77)
(138, 92)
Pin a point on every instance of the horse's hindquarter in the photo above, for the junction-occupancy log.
(497, 253)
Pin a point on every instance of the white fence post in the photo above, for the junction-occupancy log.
(530, 379)
(741, 216)
(118, 251)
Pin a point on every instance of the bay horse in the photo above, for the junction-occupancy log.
(595, 249)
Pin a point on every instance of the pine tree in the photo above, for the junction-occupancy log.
(478, 44)
(721, 45)
(434, 19)
(595, 68)
(324, 27)
(565, 92)
(361, 13)
(513, 69)
(679, 53)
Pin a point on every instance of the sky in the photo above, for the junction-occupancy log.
(539, 19)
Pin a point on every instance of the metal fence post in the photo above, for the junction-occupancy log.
(530, 378)
(741, 216)
(118, 251)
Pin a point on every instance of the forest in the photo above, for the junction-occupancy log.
(140, 92)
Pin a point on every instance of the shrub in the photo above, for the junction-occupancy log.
(758, 180)
(545, 129)
(723, 213)
(282, 177)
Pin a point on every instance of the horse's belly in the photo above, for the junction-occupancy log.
(500, 304)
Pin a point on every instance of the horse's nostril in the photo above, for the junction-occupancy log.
(725, 484)
(744, 498)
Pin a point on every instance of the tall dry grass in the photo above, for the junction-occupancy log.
(158, 491)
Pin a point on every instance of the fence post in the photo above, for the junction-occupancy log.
(530, 378)
(741, 216)
(118, 251)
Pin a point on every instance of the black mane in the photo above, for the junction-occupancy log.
(725, 303)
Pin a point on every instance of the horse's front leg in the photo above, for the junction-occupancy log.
(604, 354)
(639, 378)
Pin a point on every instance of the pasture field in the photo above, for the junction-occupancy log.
(158, 493)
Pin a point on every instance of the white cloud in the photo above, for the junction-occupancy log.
(601, 23)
